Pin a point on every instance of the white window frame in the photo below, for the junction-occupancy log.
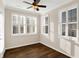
(19, 33)
(43, 25)
(35, 19)
(60, 22)
(25, 25)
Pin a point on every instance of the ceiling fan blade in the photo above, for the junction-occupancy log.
(36, 1)
(27, 2)
(29, 7)
(43, 6)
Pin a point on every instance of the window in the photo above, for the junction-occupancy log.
(72, 15)
(63, 29)
(69, 23)
(72, 22)
(63, 23)
(23, 24)
(31, 25)
(15, 24)
(45, 25)
(18, 24)
(72, 28)
(63, 17)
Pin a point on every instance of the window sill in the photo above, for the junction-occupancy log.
(23, 34)
(45, 34)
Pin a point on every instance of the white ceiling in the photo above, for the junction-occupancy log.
(51, 4)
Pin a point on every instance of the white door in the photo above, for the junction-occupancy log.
(1, 33)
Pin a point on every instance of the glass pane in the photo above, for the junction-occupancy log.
(28, 29)
(32, 22)
(15, 29)
(43, 29)
(28, 21)
(46, 20)
(64, 17)
(72, 15)
(15, 19)
(72, 28)
(22, 29)
(46, 29)
(21, 20)
(72, 33)
(30, 25)
(63, 29)
(32, 29)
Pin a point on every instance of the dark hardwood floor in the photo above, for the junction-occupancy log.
(33, 51)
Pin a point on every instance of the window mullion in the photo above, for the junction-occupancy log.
(66, 23)
(25, 26)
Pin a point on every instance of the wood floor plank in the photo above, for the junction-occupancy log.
(33, 51)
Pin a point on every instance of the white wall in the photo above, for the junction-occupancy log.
(2, 48)
(21, 40)
(53, 40)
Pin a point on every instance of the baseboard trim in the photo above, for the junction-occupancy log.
(2, 54)
(55, 49)
(21, 45)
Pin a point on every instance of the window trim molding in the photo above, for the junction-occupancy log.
(42, 26)
(25, 32)
(60, 22)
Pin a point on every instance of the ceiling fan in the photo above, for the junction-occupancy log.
(35, 5)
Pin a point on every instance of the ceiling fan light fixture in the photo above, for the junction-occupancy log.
(35, 7)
